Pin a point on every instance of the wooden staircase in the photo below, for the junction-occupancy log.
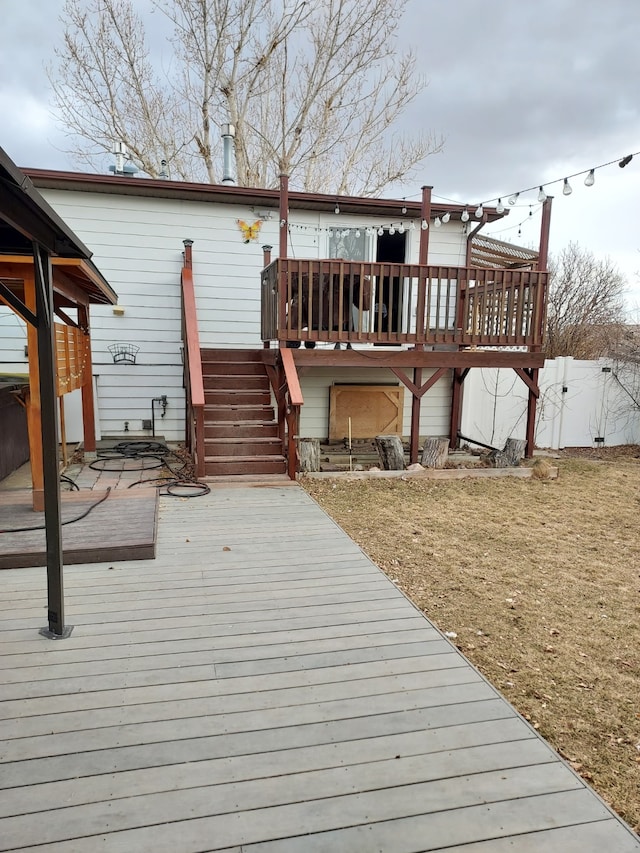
(240, 428)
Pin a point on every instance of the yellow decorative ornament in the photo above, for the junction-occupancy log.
(249, 232)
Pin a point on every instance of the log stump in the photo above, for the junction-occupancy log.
(510, 456)
(391, 452)
(309, 453)
(514, 450)
(435, 452)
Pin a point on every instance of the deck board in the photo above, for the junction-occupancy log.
(122, 527)
(279, 696)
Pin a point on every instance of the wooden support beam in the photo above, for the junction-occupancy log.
(531, 413)
(416, 399)
(419, 390)
(88, 403)
(527, 378)
(459, 375)
(9, 298)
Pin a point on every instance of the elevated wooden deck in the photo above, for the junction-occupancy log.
(120, 525)
(262, 686)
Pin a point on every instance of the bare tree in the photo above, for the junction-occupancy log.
(313, 89)
(585, 306)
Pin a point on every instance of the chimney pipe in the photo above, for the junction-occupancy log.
(228, 135)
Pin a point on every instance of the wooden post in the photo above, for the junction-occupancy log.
(545, 226)
(282, 253)
(435, 452)
(88, 403)
(531, 413)
(456, 406)
(425, 216)
(391, 452)
(415, 417)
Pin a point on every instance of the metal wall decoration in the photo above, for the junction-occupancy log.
(124, 353)
(249, 232)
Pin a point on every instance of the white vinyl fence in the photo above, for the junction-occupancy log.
(581, 404)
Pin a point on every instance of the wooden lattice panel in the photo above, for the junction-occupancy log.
(71, 354)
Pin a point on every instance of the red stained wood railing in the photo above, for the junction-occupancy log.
(194, 384)
(347, 301)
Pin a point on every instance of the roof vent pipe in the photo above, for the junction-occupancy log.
(123, 165)
(228, 135)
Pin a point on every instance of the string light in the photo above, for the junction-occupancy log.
(464, 216)
(404, 209)
(380, 231)
(479, 212)
(589, 181)
(392, 230)
(401, 229)
(424, 225)
(336, 209)
(446, 218)
(436, 222)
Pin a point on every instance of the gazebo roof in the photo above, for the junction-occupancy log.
(25, 216)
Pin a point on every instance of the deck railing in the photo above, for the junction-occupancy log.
(348, 302)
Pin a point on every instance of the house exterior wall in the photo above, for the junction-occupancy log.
(137, 244)
(316, 384)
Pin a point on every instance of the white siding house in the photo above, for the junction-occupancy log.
(136, 228)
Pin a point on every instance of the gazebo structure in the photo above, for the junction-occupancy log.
(45, 272)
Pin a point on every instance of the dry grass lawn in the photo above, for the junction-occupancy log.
(540, 581)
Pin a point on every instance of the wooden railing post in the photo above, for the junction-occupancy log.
(193, 362)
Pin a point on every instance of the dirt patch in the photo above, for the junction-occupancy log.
(540, 580)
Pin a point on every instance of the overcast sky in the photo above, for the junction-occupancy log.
(524, 92)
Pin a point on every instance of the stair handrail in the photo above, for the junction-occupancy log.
(193, 368)
(294, 400)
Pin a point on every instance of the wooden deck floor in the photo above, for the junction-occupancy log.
(261, 687)
(121, 527)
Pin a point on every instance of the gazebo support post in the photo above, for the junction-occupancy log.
(56, 628)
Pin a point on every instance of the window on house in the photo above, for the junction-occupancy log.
(350, 244)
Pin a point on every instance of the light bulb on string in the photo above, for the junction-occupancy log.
(336, 209)
(590, 180)
(369, 232)
(513, 198)
(479, 212)
(464, 216)
(566, 187)
(500, 206)
(446, 218)
(404, 209)
(392, 230)
(542, 196)
(424, 225)
(401, 228)
(380, 231)
(357, 232)
(436, 222)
